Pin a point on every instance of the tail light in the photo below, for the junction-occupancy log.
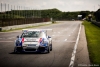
(22, 40)
(40, 39)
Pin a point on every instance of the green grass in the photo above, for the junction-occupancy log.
(93, 40)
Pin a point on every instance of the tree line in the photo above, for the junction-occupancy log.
(97, 15)
(48, 13)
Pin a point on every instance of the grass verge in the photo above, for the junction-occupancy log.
(93, 40)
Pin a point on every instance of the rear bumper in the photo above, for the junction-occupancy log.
(32, 49)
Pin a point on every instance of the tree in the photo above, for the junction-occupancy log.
(84, 14)
(97, 15)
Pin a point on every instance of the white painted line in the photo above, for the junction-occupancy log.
(8, 38)
(53, 35)
(12, 31)
(65, 40)
(59, 32)
(74, 51)
(56, 40)
(58, 35)
(70, 41)
(69, 35)
(11, 37)
(6, 41)
(3, 38)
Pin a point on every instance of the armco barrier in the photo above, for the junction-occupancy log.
(19, 21)
(96, 23)
(23, 26)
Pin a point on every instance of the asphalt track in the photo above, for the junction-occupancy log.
(64, 37)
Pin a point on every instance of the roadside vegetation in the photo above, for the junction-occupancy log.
(93, 41)
(46, 13)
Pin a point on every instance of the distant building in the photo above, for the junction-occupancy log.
(79, 17)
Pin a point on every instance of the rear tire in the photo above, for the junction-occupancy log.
(48, 49)
(15, 50)
(51, 48)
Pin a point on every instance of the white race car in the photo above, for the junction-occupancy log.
(33, 40)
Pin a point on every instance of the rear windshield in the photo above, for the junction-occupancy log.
(33, 34)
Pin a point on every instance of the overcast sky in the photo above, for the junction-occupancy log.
(63, 5)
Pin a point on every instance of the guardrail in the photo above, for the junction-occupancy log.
(96, 23)
(19, 21)
(17, 15)
(23, 26)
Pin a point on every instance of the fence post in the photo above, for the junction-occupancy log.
(17, 15)
(14, 12)
(40, 13)
(19, 11)
(5, 11)
(8, 15)
(2, 17)
(8, 12)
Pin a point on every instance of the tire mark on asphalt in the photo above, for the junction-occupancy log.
(53, 59)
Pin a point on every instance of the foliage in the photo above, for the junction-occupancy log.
(97, 15)
(47, 13)
(7, 16)
(59, 15)
(84, 13)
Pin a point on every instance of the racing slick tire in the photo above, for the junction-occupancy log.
(48, 51)
(51, 47)
(15, 50)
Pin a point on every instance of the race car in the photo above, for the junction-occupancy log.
(33, 40)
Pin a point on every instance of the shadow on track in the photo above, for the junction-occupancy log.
(28, 53)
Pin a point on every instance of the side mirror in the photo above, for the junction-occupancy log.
(17, 36)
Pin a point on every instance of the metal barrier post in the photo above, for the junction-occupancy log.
(1, 18)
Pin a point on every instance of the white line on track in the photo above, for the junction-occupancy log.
(74, 51)
(12, 31)
(8, 38)
(65, 40)
(11, 37)
(58, 35)
(3, 38)
(6, 41)
(53, 35)
(58, 32)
